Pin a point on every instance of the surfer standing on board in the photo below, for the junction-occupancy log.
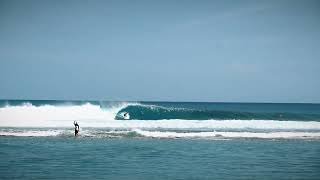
(76, 128)
(125, 115)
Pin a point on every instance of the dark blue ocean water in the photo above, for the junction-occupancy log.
(143, 158)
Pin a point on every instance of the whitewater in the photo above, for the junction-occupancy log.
(98, 119)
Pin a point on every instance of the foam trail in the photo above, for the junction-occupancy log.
(215, 124)
(102, 120)
(270, 135)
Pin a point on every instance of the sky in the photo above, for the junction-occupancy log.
(168, 50)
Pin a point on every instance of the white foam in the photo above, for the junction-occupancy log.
(31, 133)
(269, 135)
(159, 134)
(214, 124)
(28, 115)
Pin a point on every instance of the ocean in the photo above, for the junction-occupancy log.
(158, 140)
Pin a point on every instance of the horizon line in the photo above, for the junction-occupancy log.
(168, 101)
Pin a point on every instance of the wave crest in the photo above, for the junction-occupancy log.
(154, 112)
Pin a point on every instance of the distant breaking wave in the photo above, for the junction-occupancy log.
(153, 112)
(105, 119)
(25, 112)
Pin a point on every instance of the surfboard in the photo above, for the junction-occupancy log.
(126, 115)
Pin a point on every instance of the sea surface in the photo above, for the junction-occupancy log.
(158, 140)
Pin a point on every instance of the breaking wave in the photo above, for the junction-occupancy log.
(106, 119)
(154, 112)
(94, 110)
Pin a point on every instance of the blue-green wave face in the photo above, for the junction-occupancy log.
(159, 119)
(164, 110)
(153, 112)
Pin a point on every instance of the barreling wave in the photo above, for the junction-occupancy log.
(153, 112)
(106, 119)
(26, 111)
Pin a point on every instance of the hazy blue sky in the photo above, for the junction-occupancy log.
(256, 51)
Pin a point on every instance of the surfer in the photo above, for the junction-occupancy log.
(126, 115)
(76, 128)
